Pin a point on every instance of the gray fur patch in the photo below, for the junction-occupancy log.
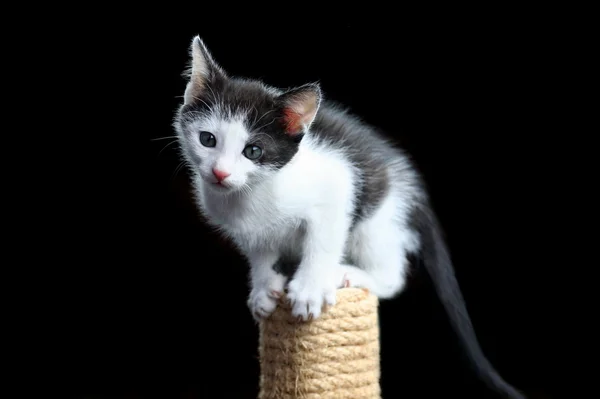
(367, 152)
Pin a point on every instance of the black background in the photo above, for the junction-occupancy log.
(153, 304)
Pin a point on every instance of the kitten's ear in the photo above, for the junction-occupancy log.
(299, 107)
(203, 70)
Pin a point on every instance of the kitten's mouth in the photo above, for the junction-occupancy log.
(219, 185)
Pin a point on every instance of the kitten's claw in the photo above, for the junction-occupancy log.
(309, 294)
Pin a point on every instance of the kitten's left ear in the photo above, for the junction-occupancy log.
(203, 70)
(299, 107)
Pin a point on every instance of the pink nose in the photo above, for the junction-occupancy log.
(220, 175)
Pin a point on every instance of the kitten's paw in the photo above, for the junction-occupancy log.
(308, 294)
(263, 302)
(264, 297)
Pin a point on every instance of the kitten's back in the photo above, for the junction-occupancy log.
(380, 166)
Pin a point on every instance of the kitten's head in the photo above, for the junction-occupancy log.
(237, 132)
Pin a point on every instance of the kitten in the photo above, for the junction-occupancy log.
(314, 198)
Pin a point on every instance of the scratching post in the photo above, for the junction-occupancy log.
(333, 357)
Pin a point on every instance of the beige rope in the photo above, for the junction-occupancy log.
(333, 357)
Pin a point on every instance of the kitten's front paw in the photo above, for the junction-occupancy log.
(264, 297)
(262, 302)
(308, 294)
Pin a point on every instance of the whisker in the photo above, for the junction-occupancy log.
(260, 135)
(165, 147)
(265, 114)
(265, 125)
(164, 138)
(178, 169)
(247, 190)
(205, 103)
(190, 114)
(213, 93)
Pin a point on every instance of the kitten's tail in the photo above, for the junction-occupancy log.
(437, 261)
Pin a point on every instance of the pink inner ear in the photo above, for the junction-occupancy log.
(299, 110)
(293, 121)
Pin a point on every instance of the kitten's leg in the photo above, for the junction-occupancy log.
(378, 246)
(384, 279)
(352, 276)
(266, 284)
(316, 279)
(381, 269)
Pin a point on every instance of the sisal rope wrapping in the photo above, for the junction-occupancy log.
(333, 357)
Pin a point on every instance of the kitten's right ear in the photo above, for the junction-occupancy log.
(203, 70)
(299, 106)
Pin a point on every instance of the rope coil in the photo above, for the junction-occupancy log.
(333, 357)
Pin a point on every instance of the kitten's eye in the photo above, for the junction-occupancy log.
(207, 139)
(252, 152)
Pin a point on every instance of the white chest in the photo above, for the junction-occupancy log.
(254, 221)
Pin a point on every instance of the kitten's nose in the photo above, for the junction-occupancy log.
(220, 175)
